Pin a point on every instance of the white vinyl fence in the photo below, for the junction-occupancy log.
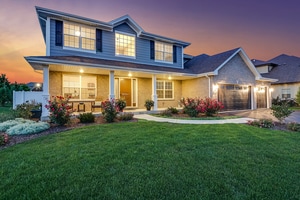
(20, 97)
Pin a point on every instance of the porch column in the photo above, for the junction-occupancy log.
(253, 97)
(269, 100)
(111, 85)
(154, 95)
(45, 112)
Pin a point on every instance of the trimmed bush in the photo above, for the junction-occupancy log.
(262, 123)
(86, 117)
(60, 111)
(167, 113)
(125, 116)
(293, 126)
(109, 111)
(3, 139)
(281, 111)
(21, 126)
(173, 110)
(28, 128)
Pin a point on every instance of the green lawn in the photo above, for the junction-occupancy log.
(148, 160)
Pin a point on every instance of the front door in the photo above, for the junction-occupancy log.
(125, 88)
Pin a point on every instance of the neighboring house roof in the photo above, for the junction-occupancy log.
(287, 69)
(43, 13)
(258, 63)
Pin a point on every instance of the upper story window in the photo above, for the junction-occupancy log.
(164, 89)
(80, 37)
(125, 45)
(163, 52)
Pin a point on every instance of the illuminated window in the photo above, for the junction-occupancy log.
(79, 86)
(163, 52)
(164, 89)
(79, 37)
(125, 45)
(286, 93)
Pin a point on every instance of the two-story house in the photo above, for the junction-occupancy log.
(89, 59)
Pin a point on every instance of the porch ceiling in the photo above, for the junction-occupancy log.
(118, 73)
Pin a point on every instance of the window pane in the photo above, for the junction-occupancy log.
(79, 87)
(168, 94)
(160, 93)
(125, 45)
(163, 51)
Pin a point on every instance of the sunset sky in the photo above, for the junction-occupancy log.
(263, 28)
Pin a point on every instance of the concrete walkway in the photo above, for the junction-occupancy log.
(182, 121)
(245, 116)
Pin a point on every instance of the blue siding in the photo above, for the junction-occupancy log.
(108, 48)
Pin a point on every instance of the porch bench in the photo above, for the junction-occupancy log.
(95, 105)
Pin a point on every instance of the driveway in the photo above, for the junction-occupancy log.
(266, 114)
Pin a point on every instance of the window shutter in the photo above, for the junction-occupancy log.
(174, 54)
(58, 33)
(99, 40)
(152, 57)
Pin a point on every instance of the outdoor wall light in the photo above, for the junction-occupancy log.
(81, 71)
(271, 89)
(215, 87)
(129, 74)
(169, 77)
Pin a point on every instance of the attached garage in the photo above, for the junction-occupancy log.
(261, 97)
(235, 97)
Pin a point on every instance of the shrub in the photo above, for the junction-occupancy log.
(20, 126)
(194, 106)
(3, 139)
(167, 113)
(293, 126)
(28, 128)
(190, 106)
(298, 97)
(60, 111)
(7, 116)
(281, 111)
(109, 111)
(262, 123)
(86, 117)
(173, 110)
(125, 116)
(120, 105)
(289, 102)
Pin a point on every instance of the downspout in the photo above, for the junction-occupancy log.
(209, 87)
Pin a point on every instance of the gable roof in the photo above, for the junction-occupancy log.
(44, 13)
(287, 69)
(205, 64)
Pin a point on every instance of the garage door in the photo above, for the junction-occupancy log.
(261, 96)
(235, 97)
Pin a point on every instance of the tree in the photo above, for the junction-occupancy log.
(5, 90)
(298, 97)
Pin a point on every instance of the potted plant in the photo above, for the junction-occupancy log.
(148, 104)
(120, 104)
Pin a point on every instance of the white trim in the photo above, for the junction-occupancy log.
(164, 89)
(130, 35)
(79, 49)
(154, 94)
(48, 37)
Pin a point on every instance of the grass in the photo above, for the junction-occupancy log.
(6, 113)
(148, 160)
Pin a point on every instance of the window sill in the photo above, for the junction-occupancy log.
(80, 50)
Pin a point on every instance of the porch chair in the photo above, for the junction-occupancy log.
(97, 103)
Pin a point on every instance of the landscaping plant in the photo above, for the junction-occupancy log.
(109, 110)
(3, 138)
(293, 126)
(60, 111)
(120, 105)
(86, 117)
(148, 104)
(194, 106)
(298, 97)
(262, 123)
(281, 111)
(125, 116)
